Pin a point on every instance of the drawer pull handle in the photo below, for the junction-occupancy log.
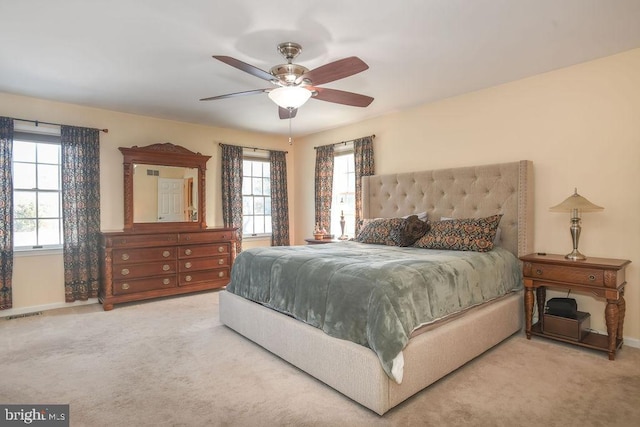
(165, 281)
(188, 238)
(188, 278)
(166, 267)
(220, 261)
(220, 248)
(592, 278)
(125, 286)
(187, 252)
(221, 274)
(124, 271)
(187, 265)
(125, 257)
(538, 272)
(166, 254)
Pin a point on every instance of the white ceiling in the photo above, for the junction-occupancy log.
(153, 57)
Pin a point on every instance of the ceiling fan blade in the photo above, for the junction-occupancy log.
(335, 71)
(232, 95)
(341, 97)
(243, 66)
(285, 113)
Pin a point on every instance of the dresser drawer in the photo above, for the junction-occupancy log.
(191, 278)
(144, 240)
(557, 273)
(205, 237)
(197, 251)
(129, 271)
(128, 256)
(141, 285)
(195, 264)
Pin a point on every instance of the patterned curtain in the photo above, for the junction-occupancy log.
(232, 190)
(6, 211)
(279, 199)
(364, 166)
(80, 211)
(324, 186)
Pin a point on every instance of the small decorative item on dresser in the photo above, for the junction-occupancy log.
(317, 232)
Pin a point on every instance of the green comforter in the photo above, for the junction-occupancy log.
(372, 295)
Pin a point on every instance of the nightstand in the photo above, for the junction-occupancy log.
(602, 277)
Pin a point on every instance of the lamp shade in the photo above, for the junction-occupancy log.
(290, 96)
(576, 201)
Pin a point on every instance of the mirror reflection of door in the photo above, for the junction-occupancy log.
(170, 200)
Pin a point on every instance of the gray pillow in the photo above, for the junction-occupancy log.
(410, 230)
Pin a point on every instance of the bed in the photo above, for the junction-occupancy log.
(444, 344)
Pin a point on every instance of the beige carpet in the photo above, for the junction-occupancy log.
(170, 362)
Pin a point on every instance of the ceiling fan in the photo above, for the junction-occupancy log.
(295, 84)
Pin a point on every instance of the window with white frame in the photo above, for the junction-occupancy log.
(37, 191)
(343, 203)
(256, 197)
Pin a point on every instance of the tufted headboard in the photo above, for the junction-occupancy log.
(467, 192)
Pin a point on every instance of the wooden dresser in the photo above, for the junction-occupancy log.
(143, 265)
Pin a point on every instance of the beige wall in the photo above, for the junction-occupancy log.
(581, 128)
(38, 280)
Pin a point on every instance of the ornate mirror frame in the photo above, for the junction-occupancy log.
(163, 154)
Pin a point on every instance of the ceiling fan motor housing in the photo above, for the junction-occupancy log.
(287, 74)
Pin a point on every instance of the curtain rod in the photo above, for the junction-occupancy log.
(37, 122)
(252, 148)
(343, 142)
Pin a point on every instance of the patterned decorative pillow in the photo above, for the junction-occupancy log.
(409, 231)
(496, 240)
(378, 231)
(471, 234)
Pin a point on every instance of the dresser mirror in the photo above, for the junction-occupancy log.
(164, 187)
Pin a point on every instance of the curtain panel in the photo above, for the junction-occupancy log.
(6, 211)
(80, 211)
(232, 190)
(364, 166)
(324, 186)
(279, 199)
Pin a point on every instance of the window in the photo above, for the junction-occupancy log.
(256, 197)
(344, 194)
(37, 191)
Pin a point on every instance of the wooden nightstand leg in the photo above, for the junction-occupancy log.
(611, 316)
(541, 300)
(528, 311)
(622, 308)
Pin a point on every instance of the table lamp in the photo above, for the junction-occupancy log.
(342, 222)
(576, 204)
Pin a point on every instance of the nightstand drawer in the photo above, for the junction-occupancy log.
(557, 273)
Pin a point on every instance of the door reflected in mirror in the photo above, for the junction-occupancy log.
(164, 193)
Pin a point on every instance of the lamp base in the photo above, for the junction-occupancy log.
(575, 255)
(343, 237)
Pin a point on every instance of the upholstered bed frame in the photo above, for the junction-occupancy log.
(355, 370)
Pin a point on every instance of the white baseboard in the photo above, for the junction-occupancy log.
(38, 308)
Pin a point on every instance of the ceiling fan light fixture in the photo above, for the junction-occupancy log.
(290, 96)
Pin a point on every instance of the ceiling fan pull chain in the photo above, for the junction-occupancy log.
(290, 140)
